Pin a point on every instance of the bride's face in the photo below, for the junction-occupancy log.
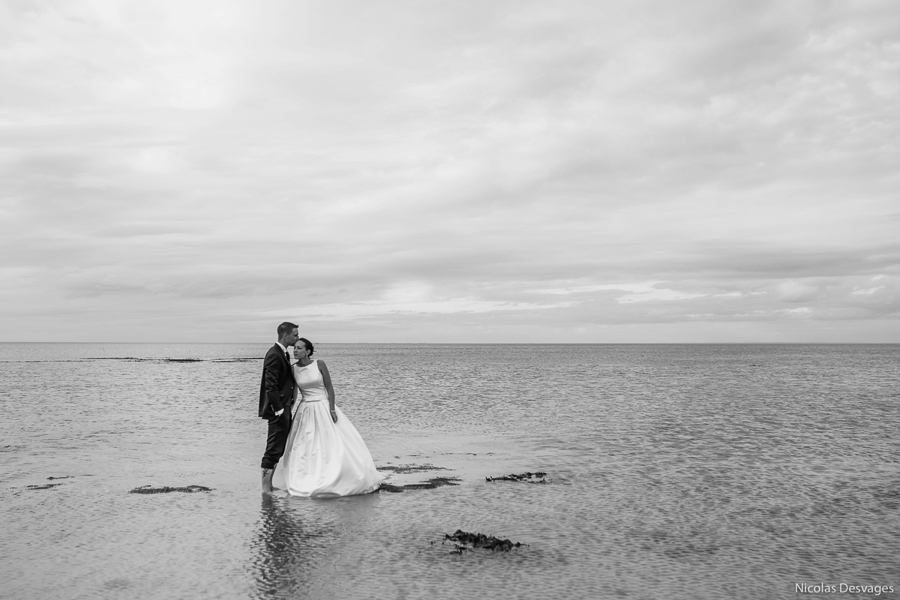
(299, 350)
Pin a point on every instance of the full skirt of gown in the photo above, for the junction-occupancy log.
(324, 459)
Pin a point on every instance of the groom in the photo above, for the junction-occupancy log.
(276, 395)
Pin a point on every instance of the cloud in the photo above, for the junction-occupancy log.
(793, 291)
(451, 171)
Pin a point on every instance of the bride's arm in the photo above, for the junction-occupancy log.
(326, 379)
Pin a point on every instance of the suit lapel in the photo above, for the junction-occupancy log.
(284, 358)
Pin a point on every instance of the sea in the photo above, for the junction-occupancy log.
(657, 471)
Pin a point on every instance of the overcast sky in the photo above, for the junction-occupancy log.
(450, 171)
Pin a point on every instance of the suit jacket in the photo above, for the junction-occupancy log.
(276, 390)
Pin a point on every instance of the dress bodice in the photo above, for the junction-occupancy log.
(310, 382)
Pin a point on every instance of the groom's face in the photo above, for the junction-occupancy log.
(292, 338)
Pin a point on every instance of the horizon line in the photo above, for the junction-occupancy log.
(504, 343)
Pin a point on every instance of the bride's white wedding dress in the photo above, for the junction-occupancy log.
(324, 459)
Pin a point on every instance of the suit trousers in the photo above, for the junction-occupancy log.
(279, 428)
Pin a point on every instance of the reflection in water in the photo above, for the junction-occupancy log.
(284, 546)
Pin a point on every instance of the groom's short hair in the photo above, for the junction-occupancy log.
(285, 328)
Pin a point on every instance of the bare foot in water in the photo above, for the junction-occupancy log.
(267, 481)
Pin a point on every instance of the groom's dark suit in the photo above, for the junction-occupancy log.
(276, 392)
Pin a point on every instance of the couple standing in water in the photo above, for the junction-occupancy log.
(322, 453)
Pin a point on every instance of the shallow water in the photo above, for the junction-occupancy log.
(675, 471)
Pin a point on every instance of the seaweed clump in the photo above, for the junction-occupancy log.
(191, 489)
(434, 482)
(529, 477)
(479, 540)
(46, 486)
(412, 468)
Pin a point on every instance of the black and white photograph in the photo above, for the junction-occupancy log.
(436, 300)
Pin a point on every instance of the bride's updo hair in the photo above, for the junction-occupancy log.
(309, 346)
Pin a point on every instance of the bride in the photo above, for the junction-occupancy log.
(325, 456)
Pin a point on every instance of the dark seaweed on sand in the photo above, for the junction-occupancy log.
(412, 468)
(479, 540)
(529, 477)
(434, 482)
(191, 489)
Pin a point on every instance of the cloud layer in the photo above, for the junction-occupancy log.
(450, 171)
